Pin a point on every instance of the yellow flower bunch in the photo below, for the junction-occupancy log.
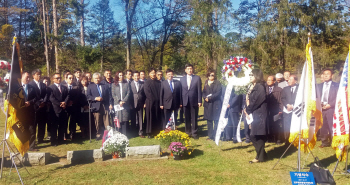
(166, 137)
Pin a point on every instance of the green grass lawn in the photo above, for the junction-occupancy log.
(208, 164)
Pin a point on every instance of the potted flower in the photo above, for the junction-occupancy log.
(177, 149)
(116, 144)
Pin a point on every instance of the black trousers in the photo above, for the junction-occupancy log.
(32, 131)
(59, 122)
(287, 120)
(191, 117)
(259, 145)
(212, 128)
(136, 117)
(74, 119)
(327, 128)
(124, 128)
(246, 129)
(167, 115)
(231, 127)
(40, 121)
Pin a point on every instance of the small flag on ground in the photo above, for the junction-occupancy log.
(341, 114)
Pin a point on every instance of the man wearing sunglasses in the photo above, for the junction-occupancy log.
(59, 98)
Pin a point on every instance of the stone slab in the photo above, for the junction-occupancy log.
(33, 159)
(85, 156)
(143, 152)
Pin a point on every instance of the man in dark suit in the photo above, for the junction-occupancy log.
(170, 97)
(39, 105)
(128, 75)
(142, 76)
(108, 79)
(234, 108)
(101, 98)
(328, 93)
(274, 110)
(288, 98)
(65, 74)
(73, 106)
(137, 101)
(28, 109)
(191, 100)
(59, 98)
(77, 78)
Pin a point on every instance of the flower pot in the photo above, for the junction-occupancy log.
(172, 155)
(115, 155)
(177, 157)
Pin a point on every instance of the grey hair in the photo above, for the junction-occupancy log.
(99, 75)
(279, 75)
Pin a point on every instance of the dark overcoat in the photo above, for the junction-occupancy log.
(212, 108)
(258, 108)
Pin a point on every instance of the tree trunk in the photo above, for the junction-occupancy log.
(128, 35)
(103, 42)
(20, 23)
(46, 49)
(55, 28)
(25, 30)
(82, 40)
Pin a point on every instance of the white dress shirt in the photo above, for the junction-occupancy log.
(324, 89)
(172, 83)
(137, 86)
(189, 79)
(38, 84)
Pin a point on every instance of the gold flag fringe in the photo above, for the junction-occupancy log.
(339, 140)
(11, 120)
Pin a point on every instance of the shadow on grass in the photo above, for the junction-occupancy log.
(55, 158)
(236, 147)
(278, 151)
(194, 154)
(326, 161)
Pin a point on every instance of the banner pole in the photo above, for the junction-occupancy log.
(7, 111)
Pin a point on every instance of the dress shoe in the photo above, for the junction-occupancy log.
(247, 141)
(253, 161)
(40, 142)
(142, 136)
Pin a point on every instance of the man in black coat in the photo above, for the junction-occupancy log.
(59, 98)
(274, 110)
(101, 98)
(128, 75)
(77, 78)
(288, 98)
(328, 94)
(170, 97)
(40, 104)
(28, 110)
(138, 101)
(73, 106)
(234, 108)
(191, 100)
(108, 79)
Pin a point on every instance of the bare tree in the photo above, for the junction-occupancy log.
(55, 29)
(45, 38)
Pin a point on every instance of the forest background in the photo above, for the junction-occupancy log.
(58, 35)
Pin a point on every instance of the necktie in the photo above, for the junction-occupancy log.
(326, 92)
(70, 87)
(99, 90)
(270, 90)
(137, 86)
(292, 90)
(171, 86)
(189, 79)
(25, 90)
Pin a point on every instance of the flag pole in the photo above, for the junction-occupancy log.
(7, 111)
(4, 141)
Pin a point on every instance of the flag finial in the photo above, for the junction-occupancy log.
(309, 37)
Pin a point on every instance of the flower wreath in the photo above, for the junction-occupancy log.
(5, 68)
(235, 66)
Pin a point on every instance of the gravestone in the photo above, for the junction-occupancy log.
(143, 152)
(85, 156)
(32, 159)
